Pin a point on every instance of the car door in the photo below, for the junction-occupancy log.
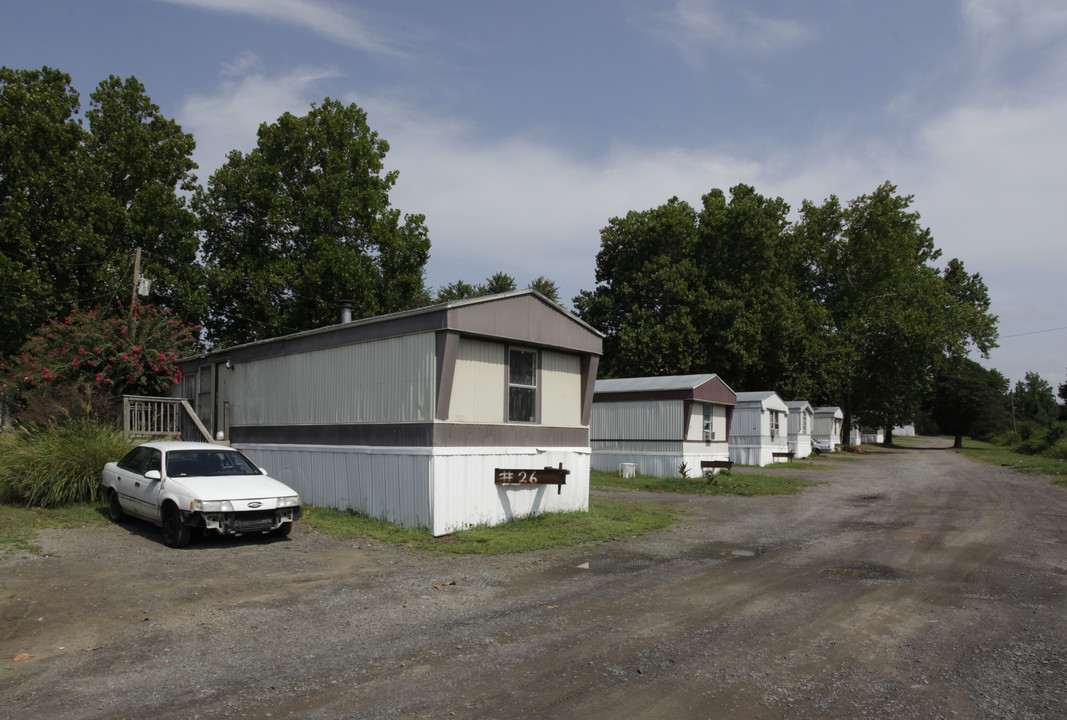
(137, 494)
(143, 491)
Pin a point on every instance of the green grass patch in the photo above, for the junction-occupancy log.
(723, 483)
(19, 525)
(1006, 457)
(608, 519)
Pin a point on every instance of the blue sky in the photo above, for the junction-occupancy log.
(520, 129)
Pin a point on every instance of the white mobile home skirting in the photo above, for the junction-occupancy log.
(756, 454)
(442, 489)
(801, 447)
(664, 464)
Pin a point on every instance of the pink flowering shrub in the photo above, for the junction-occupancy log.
(128, 355)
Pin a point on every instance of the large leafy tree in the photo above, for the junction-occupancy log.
(650, 300)
(1035, 400)
(146, 167)
(50, 253)
(76, 201)
(722, 290)
(303, 222)
(968, 400)
(843, 306)
(763, 326)
(893, 316)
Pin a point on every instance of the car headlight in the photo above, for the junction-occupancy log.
(291, 501)
(212, 506)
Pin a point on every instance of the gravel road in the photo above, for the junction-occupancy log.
(907, 583)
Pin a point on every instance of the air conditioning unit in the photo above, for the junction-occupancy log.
(709, 435)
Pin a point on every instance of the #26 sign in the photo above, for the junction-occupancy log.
(529, 476)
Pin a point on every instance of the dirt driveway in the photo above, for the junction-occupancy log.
(907, 584)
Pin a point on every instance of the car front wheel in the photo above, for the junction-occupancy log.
(114, 508)
(175, 532)
(282, 530)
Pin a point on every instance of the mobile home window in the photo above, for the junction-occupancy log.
(522, 385)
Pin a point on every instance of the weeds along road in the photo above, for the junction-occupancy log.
(907, 583)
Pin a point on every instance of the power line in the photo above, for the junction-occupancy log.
(1034, 332)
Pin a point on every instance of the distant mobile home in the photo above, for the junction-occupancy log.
(826, 435)
(442, 417)
(655, 424)
(872, 436)
(760, 429)
(801, 423)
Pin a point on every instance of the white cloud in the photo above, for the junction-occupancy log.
(338, 24)
(695, 26)
(228, 118)
(521, 206)
(1017, 20)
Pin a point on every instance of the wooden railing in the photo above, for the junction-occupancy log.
(153, 417)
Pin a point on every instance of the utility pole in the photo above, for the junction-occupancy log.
(133, 298)
(136, 277)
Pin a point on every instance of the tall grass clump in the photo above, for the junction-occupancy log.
(1058, 450)
(58, 464)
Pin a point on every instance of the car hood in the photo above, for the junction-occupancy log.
(232, 487)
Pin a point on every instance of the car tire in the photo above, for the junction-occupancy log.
(114, 508)
(175, 532)
(282, 530)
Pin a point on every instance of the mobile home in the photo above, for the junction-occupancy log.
(826, 433)
(464, 413)
(658, 426)
(760, 433)
(801, 423)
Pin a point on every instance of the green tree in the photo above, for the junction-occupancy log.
(1062, 393)
(893, 316)
(721, 290)
(844, 306)
(458, 290)
(968, 400)
(50, 254)
(762, 328)
(303, 222)
(75, 202)
(147, 168)
(498, 282)
(650, 301)
(546, 287)
(1034, 400)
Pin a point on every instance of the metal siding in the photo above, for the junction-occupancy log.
(750, 436)
(392, 485)
(561, 389)
(479, 382)
(390, 380)
(657, 420)
(662, 461)
(799, 437)
(465, 495)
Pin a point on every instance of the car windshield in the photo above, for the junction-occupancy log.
(208, 463)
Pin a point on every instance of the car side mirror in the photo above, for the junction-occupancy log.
(153, 475)
(263, 471)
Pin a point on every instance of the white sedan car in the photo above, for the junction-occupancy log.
(186, 486)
